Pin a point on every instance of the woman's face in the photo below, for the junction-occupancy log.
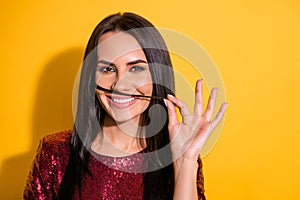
(123, 67)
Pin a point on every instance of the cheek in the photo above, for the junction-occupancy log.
(104, 81)
(147, 89)
(102, 99)
(144, 84)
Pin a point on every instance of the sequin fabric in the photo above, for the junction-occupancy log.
(110, 178)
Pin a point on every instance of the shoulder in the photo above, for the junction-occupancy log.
(53, 153)
(48, 166)
(55, 144)
(58, 138)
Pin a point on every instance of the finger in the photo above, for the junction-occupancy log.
(211, 104)
(171, 113)
(219, 116)
(183, 109)
(198, 107)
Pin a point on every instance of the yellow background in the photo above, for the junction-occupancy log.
(255, 45)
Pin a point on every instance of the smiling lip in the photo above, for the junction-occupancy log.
(121, 101)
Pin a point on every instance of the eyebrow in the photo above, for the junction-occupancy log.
(129, 63)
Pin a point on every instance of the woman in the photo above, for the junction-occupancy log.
(123, 144)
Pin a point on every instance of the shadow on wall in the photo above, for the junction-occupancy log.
(52, 112)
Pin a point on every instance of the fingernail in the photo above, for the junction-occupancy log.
(169, 95)
(166, 103)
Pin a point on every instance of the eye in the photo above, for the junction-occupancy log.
(106, 69)
(137, 69)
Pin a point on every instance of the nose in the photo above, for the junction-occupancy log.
(123, 83)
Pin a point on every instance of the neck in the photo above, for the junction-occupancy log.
(118, 137)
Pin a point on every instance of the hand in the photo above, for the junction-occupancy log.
(189, 136)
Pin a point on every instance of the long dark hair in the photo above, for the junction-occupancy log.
(158, 184)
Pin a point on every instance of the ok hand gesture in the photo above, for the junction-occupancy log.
(189, 136)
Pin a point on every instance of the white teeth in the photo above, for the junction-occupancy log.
(122, 100)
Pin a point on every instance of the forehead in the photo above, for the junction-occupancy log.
(113, 45)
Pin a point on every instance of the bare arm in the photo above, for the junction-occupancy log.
(188, 138)
(185, 186)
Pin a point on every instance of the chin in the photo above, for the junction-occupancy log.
(125, 118)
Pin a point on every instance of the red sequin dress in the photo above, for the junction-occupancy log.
(109, 183)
